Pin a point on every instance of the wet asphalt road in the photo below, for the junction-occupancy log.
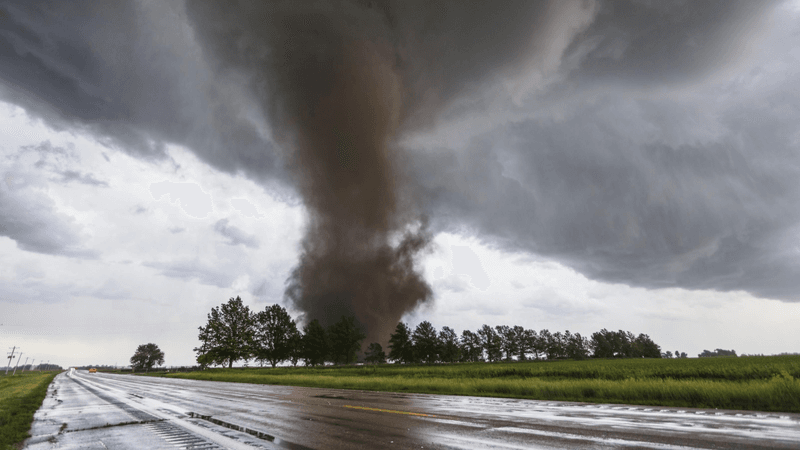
(88, 411)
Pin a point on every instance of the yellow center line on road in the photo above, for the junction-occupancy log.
(388, 411)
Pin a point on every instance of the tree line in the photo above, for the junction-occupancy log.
(233, 332)
(717, 352)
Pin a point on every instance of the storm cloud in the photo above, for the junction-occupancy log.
(638, 142)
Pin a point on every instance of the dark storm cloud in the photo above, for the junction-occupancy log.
(130, 73)
(235, 235)
(654, 42)
(624, 187)
(653, 209)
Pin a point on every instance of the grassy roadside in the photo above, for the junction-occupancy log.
(769, 383)
(20, 396)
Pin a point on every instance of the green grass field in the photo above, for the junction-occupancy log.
(768, 383)
(20, 396)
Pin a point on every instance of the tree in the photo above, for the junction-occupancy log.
(400, 347)
(375, 354)
(426, 343)
(529, 343)
(146, 356)
(295, 346)
(556, 345)
(509, 342)
(345, 340)
(471, 347)
(522, 343)
(449, 350)
(577, 347)
(717, 352)
(646, 348)
(491, 343)
(228, 335)
(274, 329)
(544, 342)
(314, 343)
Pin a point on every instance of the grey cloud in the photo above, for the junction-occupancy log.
(245, 207)
(451, 283)
(111, 290)
(554, 305)
(192, 199)
(260, 289)
(139, 209)
(235, 235)
(31, 220)
(83, 178)
(649, 192)
(647, 42)
(193, 270)
(176, 230)
(466, 262)
(132, 74)
(36, 290)
(714, 212)
(59, 161)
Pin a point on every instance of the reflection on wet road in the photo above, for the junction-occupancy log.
(119, 411)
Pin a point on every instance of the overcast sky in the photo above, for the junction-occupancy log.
(583, 165)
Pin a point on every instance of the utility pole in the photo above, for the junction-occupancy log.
(10, 358)
(25, 365)
(15, 367)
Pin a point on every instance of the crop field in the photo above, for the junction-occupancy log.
(20, 396)
(768, 383)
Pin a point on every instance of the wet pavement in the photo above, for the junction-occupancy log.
(103, 411)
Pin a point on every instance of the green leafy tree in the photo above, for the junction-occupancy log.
(314, 344)
(295, 346)
(576, 346)
(449, 350)
(274, 329)
(205, 360)
(426, 342)
(375, 354)
(545, 342)
(345, 338)
(471, 347)
(491, 342)
(604, 344)
(400, 347)
(716, 352)
(647, 348)
(522, 348)
(556, 346)
(147, 356)
(623, 344)
(228, 335)
(509, 341)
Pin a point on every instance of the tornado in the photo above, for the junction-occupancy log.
(340, 81)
